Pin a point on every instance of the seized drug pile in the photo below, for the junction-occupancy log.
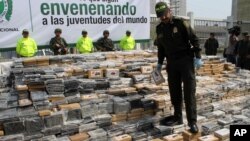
(111, 96)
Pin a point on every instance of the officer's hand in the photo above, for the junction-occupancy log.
(159, 67)
(198, 63)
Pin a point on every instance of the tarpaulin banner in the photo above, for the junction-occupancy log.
(42, 17)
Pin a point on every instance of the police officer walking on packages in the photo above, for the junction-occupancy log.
(105, 43)
(177, 43)
(211, 45)
(58, 44)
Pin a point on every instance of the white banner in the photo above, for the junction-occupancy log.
(41, 17)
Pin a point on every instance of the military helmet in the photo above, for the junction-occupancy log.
(105, 32)
(58, 30)
(160, 8)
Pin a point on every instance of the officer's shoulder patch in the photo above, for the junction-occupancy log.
(177, 18)
(186, 24)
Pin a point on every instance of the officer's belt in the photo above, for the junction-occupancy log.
(179, 55)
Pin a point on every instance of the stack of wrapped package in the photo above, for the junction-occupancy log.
(111, 96)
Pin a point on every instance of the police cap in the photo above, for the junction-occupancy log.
(161, 8)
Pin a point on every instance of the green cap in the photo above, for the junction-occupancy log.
(160, 8)
(58, 30)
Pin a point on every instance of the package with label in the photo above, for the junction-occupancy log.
(95, 73)
(146, 69)
(112, 73)
(157, 77)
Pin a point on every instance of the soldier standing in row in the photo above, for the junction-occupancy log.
(105, 43)
(58, 44)
(174, 40)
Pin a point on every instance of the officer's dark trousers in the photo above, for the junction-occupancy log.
(247, 64)
(231, 58)
(180, 71)
(241, 62)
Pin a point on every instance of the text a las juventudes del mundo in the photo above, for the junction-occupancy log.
(96, 12)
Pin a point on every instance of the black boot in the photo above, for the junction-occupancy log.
(193, 128)
(172, 121)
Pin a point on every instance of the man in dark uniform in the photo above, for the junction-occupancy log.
(105, 43)
(174, 40)
(211, 45)
(242, 50)
(58, 44)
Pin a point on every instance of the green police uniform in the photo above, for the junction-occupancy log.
(174, 41)
(105, 44)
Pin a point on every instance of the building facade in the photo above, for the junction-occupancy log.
(240, 14)
(179, 7)
(203, 27)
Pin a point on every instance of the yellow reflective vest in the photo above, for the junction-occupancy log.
(127, 43)
(84, 45)
(26, 47)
